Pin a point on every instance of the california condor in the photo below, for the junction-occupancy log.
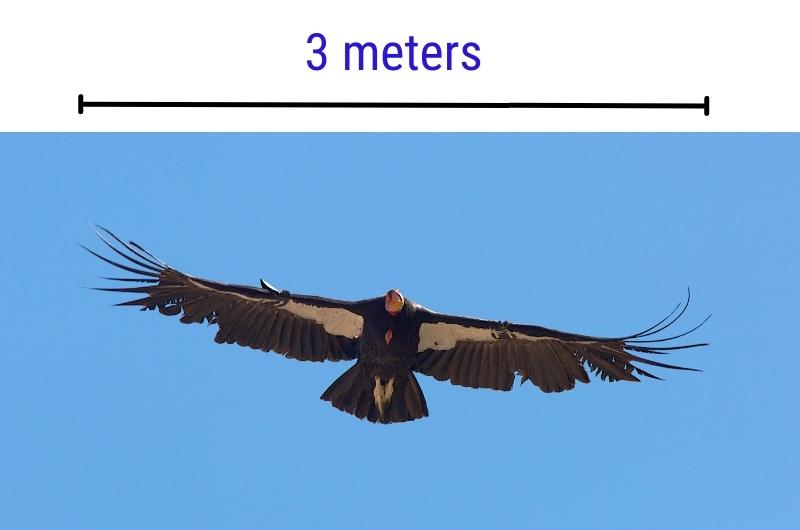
(390, 337)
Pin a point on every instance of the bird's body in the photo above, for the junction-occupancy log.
(381, 386)
(382, 357)
(390, 337)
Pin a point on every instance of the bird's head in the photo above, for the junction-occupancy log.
(393, 302)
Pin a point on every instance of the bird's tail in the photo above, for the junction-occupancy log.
(378, 400)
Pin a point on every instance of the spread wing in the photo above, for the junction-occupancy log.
(307, 328)
(487, 354)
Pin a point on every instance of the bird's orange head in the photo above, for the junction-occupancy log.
(393, 302)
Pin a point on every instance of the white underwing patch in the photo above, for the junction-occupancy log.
(444, 336)
(335, 320)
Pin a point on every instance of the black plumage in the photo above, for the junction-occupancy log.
(390, 338)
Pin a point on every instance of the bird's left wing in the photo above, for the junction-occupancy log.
(306, 328)
(489, 354)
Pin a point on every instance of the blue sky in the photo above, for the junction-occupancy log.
(112, 418)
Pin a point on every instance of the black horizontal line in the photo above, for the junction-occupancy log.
(82, 104)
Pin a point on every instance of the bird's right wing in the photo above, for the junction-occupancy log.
(307, 328)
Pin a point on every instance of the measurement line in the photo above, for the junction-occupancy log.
(83, 104)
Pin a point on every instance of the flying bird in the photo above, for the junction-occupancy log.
(389, 337)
